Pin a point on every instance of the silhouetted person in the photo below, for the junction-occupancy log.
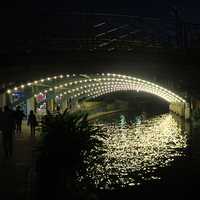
(19, 115)
(58, 109)
(1, 118)
(8, 128)
(32, 122)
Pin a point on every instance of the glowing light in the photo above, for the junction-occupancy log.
(114, 83)
(9, 91)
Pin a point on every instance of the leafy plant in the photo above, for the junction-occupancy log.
(66, 139)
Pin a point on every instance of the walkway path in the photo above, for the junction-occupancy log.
(14, 173)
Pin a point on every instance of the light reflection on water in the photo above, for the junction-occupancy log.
(132, 155)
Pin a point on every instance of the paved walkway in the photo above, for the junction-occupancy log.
(14, 173)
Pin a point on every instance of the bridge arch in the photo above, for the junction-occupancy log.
(75, 87)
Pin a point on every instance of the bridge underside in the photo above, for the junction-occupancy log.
(64, 91)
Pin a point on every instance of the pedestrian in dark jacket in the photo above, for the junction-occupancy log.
(8, 128)
(32, 122)
(1, 119)
(19, 115)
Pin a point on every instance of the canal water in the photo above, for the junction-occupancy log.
(139, 152)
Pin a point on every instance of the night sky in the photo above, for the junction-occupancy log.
(23, 16)
(148, 8)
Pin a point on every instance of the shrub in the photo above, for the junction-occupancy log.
(66, 139)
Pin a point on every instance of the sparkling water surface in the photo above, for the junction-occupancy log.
(132, 154)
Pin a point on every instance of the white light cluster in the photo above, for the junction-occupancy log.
(18, 88)
(114, 82)
(149, 88)
(109, 87)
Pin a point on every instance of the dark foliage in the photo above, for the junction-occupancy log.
(67, 138)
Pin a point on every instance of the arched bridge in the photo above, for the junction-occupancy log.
(66, 90)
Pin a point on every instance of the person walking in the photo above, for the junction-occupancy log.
(32, 122)
(8, 128)
(1, 119)
(19, 115)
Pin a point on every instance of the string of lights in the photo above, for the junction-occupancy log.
(80, 86)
